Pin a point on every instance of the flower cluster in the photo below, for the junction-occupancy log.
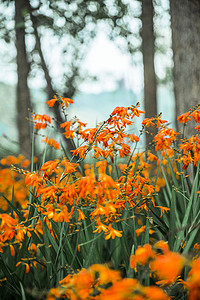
(79, 216)
(12, 183)
(101, 283)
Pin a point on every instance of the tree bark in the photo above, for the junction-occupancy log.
(150, 93)
(185, 23)
(23, 93)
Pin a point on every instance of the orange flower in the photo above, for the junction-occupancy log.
(63, 101)
(111, 232)
(186, 160)
(69, 134)
(193, 281)
(163, 209)
(100, 210)
(148, 121)
(52, 101)
(125, 150)
(33, 179)
(197, 128)
(33, 247)
(66, 125)
(42, 118)
(12, 250)
(152, 157)
(136, 112)
(123, 289)
(81, 215)
(196, 116)
(196, 247)
(98, 151)
(66, 101)
(101, 227)
(160, 121)
(184, 117)
(50, 166)
(80, 151)
(51, 142)
(39, 126)
(82, 284)
(120, 111)
(133, 138)
(142, 229)
(168, 267)
(80, 125)
(102, 164)
(162, 245)
(25, 163)
(7, 221)
(164, 139)
(25, 264)
(54, 293)
(154, 293)
(142, 256)
(105, 274)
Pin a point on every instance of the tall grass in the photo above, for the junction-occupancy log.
(125, 226)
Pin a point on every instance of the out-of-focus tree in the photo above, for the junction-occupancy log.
(163, 47)
(68, 27)
(144, 35)
(148, 49)
(185, 23)
(23, 67)
(79, 27)
(72, 25)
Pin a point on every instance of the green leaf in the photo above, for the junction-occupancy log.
(47, 254)
(21, 217)
(12, 278)
(172, 221)
(146, 236)
(22, 291)
(188, 213)
(180, 200)
(190, 242)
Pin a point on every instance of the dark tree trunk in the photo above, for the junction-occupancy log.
(147, 34)
(23, 93)
(185, 23)
(69, 143)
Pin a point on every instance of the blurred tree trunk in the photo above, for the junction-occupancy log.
(69, 143)
(185, 23)
(147, 34)
(23, 93)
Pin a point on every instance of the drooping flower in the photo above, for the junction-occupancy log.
(51, 142)
(111, 232)
(52, 101)
(184, 118)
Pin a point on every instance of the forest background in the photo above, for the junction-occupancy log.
(80, 48)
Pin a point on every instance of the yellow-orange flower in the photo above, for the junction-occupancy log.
(111, 232)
